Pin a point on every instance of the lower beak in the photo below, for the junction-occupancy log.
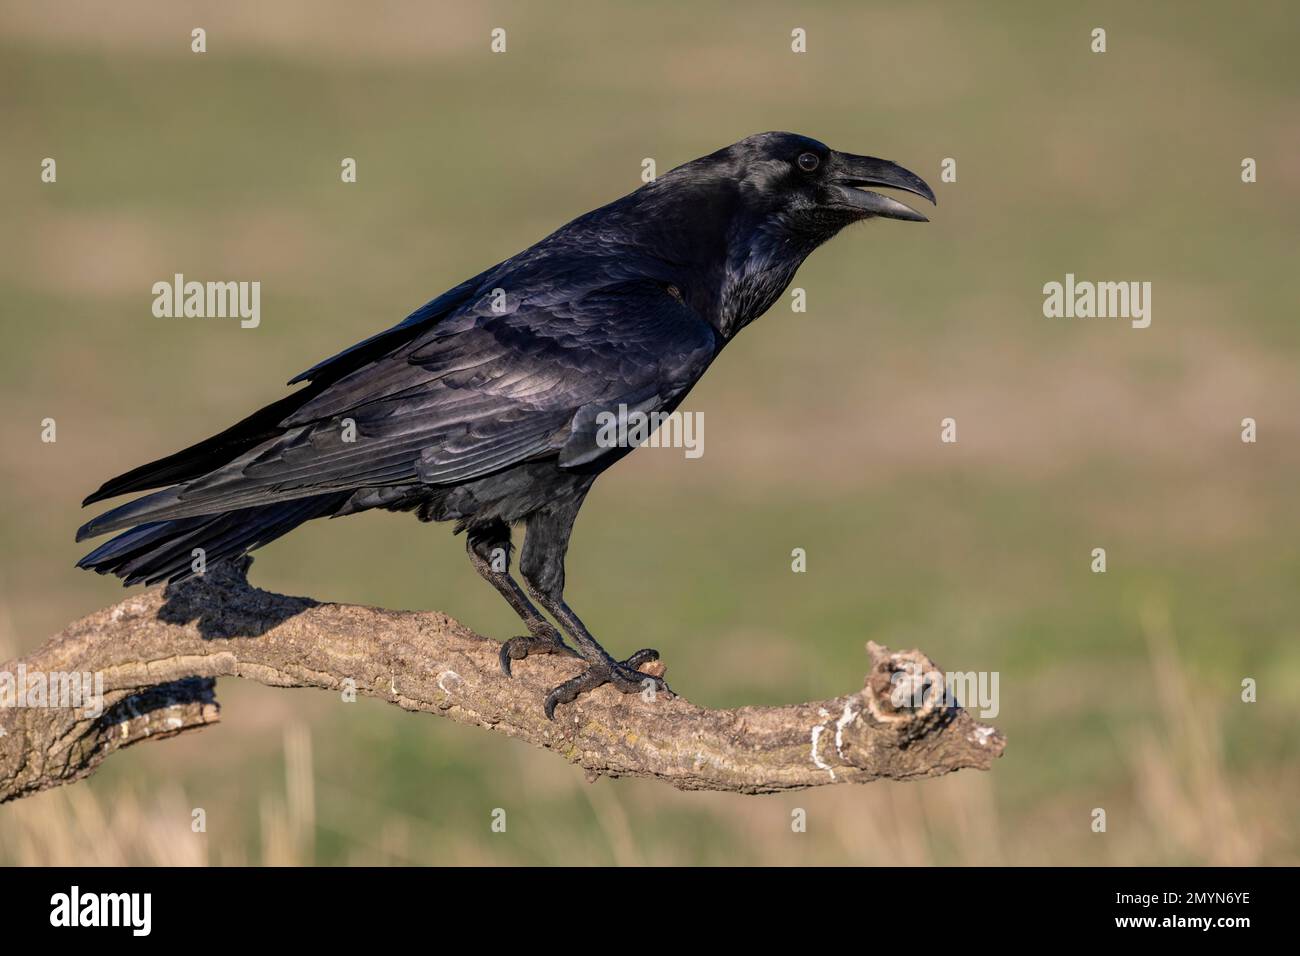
(856, 171)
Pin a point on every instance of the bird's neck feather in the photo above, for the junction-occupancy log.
(727, 263)
(760, 265)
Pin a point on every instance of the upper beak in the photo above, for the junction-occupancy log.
(854, 171)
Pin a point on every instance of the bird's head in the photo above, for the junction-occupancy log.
(810, 188)
(757, 208)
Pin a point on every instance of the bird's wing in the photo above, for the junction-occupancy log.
(479, 392)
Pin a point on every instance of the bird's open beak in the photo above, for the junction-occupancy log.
(856, 171)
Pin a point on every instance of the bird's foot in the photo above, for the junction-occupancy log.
(547, 642)
(625, 675)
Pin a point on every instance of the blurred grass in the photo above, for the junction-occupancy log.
(822, 427)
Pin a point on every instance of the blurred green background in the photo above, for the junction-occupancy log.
(1118, 690)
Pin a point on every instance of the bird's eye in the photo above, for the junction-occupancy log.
(808, 162)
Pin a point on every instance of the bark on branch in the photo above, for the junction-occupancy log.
(160, 651)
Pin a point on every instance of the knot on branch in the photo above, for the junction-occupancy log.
(906, 692)
(905, 717)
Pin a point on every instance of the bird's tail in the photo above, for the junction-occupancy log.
(174, 550)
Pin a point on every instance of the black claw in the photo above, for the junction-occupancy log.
(645, 655)
(517, 648)
(568, 692)
(622, 674)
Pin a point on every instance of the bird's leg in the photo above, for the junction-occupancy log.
(542, 566)
(489, 551)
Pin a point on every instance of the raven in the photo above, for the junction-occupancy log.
(482, 407)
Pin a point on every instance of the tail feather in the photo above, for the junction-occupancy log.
(132, 512)
(164, 550)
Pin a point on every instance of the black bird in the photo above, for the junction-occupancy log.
(482, 406)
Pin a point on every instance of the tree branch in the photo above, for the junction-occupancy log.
(160, 651)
